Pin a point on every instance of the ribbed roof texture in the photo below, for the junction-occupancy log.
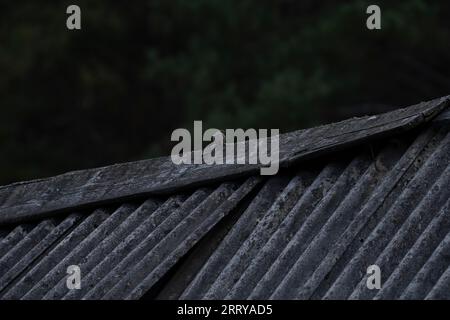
(312, 236)
(121, 251)
(309, 232)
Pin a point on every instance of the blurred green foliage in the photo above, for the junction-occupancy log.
(115, 90)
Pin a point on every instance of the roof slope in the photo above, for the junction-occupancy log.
(137, 242)
(75, 190)
(308, 233)
(318, 235)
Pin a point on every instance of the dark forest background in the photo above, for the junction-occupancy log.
(115, 90)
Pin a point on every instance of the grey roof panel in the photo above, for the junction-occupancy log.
(310, 232)
(142, 239)
(389, 211)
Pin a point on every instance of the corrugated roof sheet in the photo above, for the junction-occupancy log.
(308, 233)
(121, 251)
(318, 236)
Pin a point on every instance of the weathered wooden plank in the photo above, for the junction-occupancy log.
(79, 189)
(444, 116)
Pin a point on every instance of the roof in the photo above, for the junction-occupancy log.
(371, 190)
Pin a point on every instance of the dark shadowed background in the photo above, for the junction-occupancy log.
(115, 90)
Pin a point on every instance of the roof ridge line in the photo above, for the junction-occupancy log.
(78, 189)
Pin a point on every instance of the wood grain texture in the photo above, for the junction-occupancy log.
(80, 189)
